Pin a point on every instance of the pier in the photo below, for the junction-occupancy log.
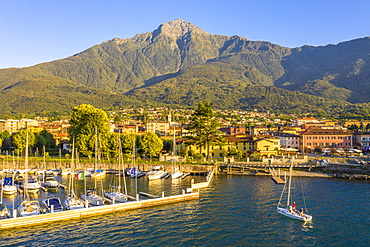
(92, 211)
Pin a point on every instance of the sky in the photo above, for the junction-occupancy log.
(38, 31)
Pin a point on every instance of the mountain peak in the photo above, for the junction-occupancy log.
(177, 28)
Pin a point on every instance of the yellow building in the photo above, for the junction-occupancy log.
(255, 146)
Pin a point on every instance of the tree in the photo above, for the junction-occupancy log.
(45, 138)
(150, 144)
(19, 139)
(203, 127)
(7, 143)
(87, 124)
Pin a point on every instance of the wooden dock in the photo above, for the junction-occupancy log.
(91, 211)
(278, 180)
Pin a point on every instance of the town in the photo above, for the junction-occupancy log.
(253, 135)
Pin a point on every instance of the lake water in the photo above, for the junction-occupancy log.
(233, 211)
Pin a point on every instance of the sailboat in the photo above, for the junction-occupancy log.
(115, 194)
(72, 201)
(28, 207)
(289, 209)
(91, 197)
(8, 186)
(176, 173)
(4, 211)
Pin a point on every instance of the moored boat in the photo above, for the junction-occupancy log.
(157, 172)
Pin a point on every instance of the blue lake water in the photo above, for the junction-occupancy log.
(233, 211)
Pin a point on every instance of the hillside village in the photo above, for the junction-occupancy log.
(247, 134)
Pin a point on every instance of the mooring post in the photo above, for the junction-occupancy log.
(162, 193)
(137, 197)
(15, 213)
(86, 203)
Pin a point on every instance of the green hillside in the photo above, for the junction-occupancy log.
(179, 64)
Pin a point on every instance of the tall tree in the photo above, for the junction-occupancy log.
(203, 127)
(45, 138)
(19, 139)
(150, 144)
(87, 124)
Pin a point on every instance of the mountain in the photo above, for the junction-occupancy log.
(179, 64)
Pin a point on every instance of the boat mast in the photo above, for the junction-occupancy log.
(290, 184)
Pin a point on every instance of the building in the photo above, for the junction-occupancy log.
(288, 140)
(361, 140)
(301, 121)
(159, 127)
(233, 130)
(13, 125)
(318, 138)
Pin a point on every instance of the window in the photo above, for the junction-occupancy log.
(308, 137)
(333, 137)
(309, 144)
(321, 137)
(315, 137)
(340, 138)
(327, 137)
(315, 143)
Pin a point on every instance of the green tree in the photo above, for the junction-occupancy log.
(203, 127)
(150, 144)
(45, 138)
(5, 134)
(7, 143)
(87, 125)
(19, 139)
(127, 142)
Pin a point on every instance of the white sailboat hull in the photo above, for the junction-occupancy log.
(177, 174)
(72, 203)
(9, 189)
(294, 214)
(116, 196)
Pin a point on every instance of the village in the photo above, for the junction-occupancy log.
(253, 135)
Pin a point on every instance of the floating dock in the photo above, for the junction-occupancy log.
(91, 211)
(278, 180)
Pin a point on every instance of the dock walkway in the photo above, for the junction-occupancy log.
(86, 212)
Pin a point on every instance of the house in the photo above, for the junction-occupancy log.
(319, 138)
(288, 140)
(361, 140)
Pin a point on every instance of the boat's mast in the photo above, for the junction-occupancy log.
(290, 183)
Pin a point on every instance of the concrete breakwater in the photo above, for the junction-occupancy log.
(91, 211)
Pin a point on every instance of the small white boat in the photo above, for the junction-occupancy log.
(32, 185)
(4, 212)
(53, 204)
(157, 172)
(92, 198)
(176, 174)
(98, 173)
(28, 208)
(66, 171)
(51, 182)
(116, 196)
(8, 186)
(73, 202)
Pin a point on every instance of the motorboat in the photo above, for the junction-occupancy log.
(53, 204)
(157, 172)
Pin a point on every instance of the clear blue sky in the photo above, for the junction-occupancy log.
(39, 31)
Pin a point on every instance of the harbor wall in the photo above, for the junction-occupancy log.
(86, 212)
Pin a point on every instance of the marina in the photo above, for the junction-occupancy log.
(51, 208)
